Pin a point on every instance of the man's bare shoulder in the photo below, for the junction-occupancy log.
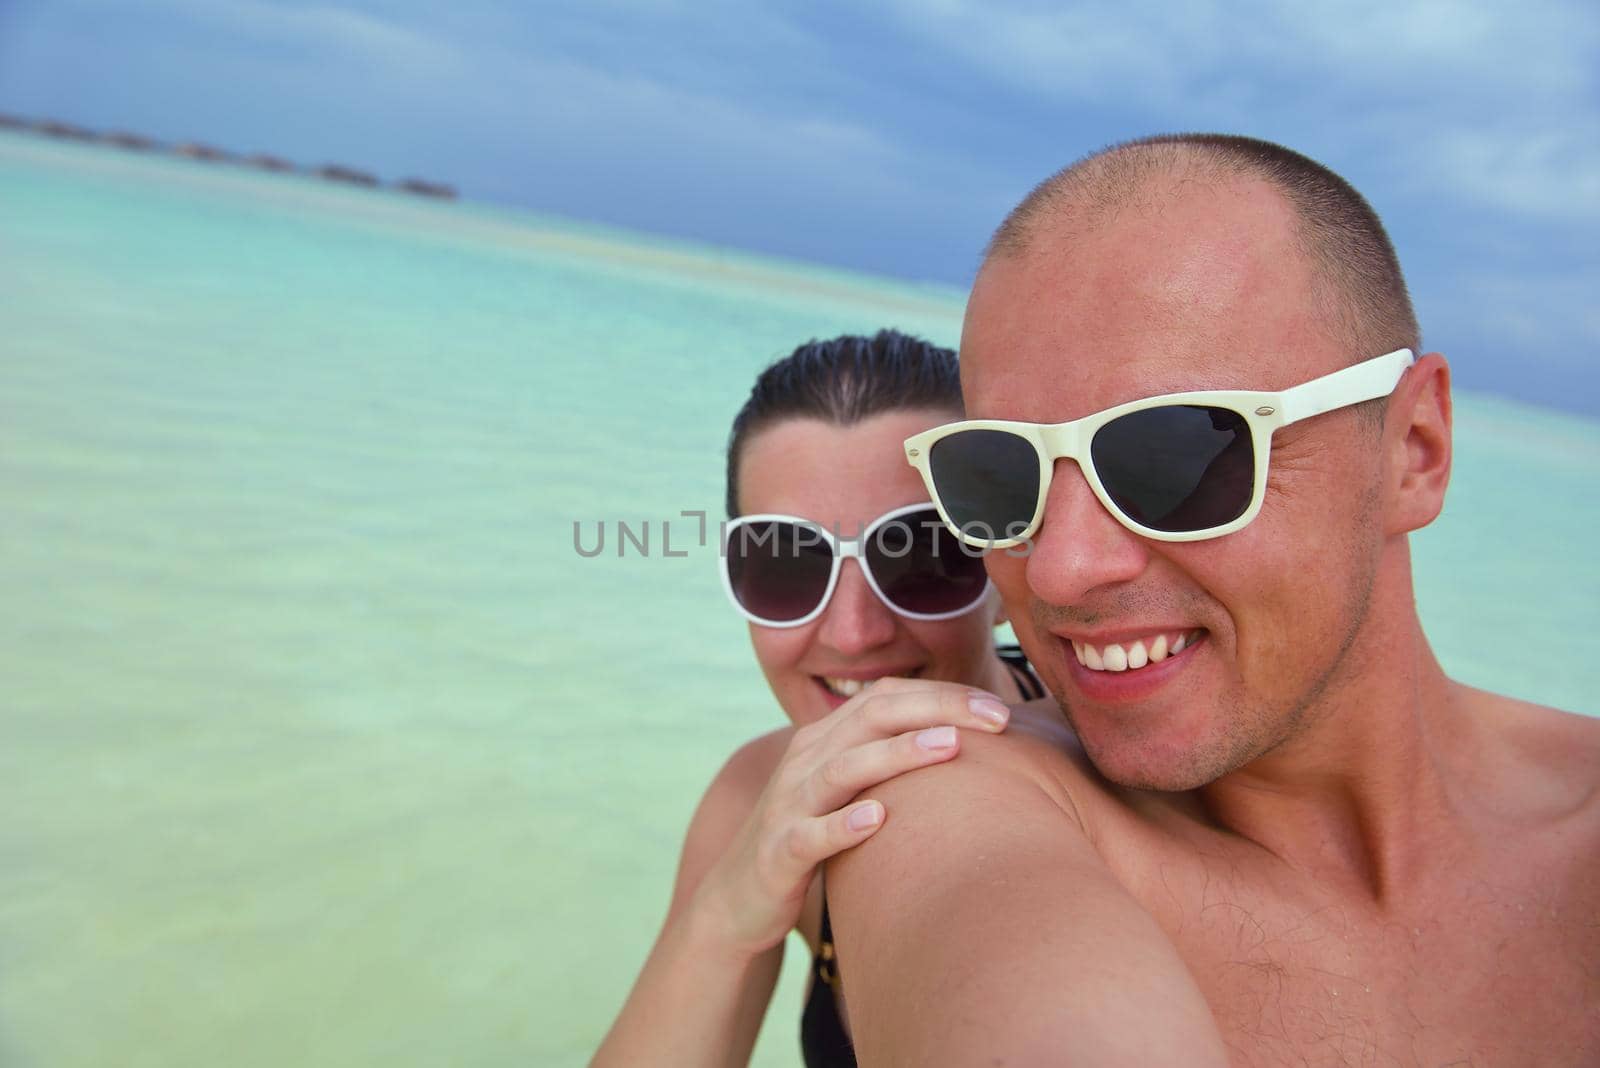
(1558, 752)
(984, 894)
(1039, 765)
(1567, 739)
(1041, 748)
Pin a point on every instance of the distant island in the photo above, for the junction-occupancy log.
(204, 153)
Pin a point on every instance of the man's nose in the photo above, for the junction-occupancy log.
(1080, 546)
(855, 620)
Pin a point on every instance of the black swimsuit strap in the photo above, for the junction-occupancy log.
(1028, 683)
(826, 961)
(823, 1041)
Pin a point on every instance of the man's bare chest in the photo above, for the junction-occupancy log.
(1495, 974)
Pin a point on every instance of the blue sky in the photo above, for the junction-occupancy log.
(892, 137)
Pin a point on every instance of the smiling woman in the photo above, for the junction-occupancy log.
(848, 579)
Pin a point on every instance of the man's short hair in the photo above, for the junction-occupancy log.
(1366, 302)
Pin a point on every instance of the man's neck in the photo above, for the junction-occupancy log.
(1363, 793)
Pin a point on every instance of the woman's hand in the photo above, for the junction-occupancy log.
(765, 823)
(752, 896)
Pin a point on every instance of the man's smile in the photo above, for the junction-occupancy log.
(1129, 663)
(1136, 653)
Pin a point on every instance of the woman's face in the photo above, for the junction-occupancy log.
(843, 478)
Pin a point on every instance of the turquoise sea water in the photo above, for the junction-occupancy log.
(319, 742)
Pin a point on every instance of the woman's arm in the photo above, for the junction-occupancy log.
(701, 995)
(777, 809)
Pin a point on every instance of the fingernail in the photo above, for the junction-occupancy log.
(863, 816)
(987, 708)
(937, 738)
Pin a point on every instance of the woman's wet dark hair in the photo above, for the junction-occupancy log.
(844, 381)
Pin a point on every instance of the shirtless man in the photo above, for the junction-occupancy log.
(1293, 840)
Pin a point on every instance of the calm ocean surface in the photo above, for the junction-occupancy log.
(319, 742)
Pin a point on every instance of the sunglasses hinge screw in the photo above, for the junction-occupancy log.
(1265, 409)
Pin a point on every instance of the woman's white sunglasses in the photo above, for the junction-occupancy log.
(781, 570)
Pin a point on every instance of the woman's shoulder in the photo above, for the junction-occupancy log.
(726, 805)
(746, 772)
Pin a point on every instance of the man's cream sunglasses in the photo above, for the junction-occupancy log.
(1180, 467)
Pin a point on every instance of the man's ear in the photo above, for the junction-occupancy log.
(1417, 443)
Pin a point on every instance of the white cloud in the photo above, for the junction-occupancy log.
(1555, 317)
(1552, 169)
(550, 100)
(1158, 53)
(327, 30)
(1495, 102)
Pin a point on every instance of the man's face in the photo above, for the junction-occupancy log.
(1200, 289)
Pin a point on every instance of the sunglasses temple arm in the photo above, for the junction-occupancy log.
(1365, 381)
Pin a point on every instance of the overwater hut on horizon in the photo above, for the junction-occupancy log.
(266, 161)
(338, 172)
(423, 188)
(131, 141)
(208, 153)
(201, 151)
(64, 131)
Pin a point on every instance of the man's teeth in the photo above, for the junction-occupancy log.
(1131, 656)
(846, 687)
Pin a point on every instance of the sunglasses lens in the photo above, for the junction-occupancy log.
(779, 571)
(988, 481)
(1178, 468)
(921, 567)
